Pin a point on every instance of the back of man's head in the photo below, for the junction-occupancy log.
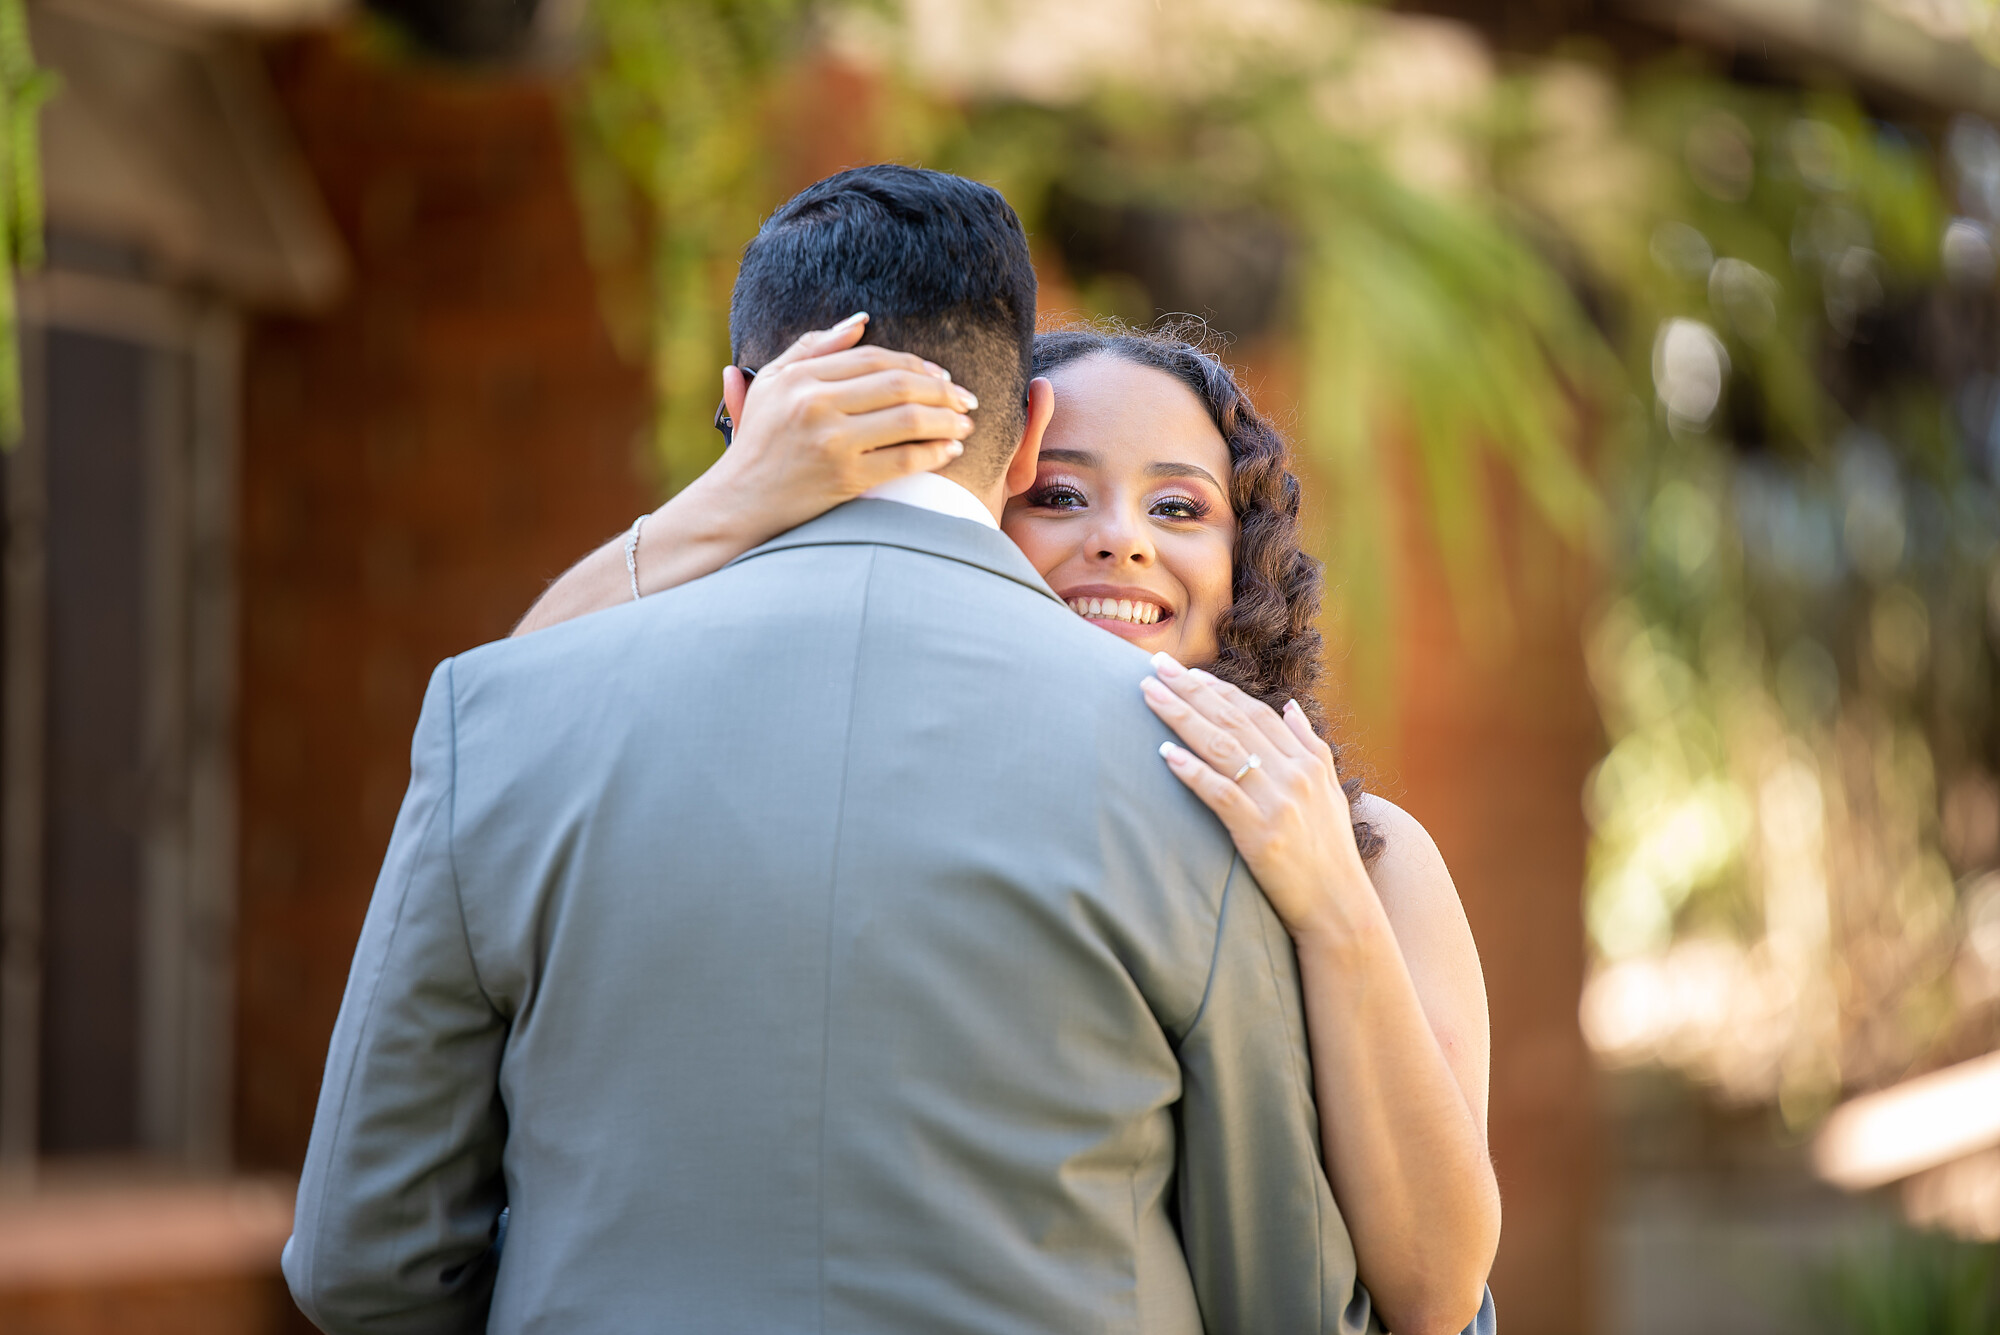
(941, 266)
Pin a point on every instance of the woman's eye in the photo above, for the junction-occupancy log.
(1180, 507)
(1057, 498)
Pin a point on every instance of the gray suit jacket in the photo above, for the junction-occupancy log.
(820, 946)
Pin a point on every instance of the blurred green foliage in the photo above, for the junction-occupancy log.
(1798, 668)
(23, 89)
(1912, 1284)
(675, 111)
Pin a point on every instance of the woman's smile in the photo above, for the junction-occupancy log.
(1132, 613)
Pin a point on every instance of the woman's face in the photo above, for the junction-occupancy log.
(1128, 518)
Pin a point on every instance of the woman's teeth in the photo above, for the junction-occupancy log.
(1117, 609)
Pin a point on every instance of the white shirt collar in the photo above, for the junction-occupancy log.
(929, 491)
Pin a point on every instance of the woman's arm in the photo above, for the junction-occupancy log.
(1395, 1002)
(1396, 1020)
(822, 422)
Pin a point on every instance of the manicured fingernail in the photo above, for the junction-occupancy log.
(1170, 751)
(1200, 675)
(967, 400)
(859, 317)
(1152, 687)
(1166, 665)
(1291, 704)
(937, 370)
(956, 448)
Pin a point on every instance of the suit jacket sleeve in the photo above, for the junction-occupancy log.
(1265, 1243)
(402, 1188)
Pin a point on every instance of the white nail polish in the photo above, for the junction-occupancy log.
(1165, 661)
(849, 322)
(1167, 750)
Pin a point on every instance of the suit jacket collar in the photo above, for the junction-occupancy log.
(893, 524)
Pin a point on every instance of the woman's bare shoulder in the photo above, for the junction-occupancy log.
(1409, 866)
(1422, 903)
(1424, 912)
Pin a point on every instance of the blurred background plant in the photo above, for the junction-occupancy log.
(23, 89)
(673, 169)
(1906, 1283)
(1796, 665)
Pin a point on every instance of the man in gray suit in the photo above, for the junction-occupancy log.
(820, 946)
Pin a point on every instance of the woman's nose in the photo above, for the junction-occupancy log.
(1122, 540)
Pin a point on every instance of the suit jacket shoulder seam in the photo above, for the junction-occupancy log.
(450, 805)
(367, 1018)
(1214, 951)
(1302, 1092)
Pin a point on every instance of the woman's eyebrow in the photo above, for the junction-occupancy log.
(1077, 458)
(1181, 470)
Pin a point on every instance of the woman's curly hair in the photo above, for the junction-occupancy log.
(1270, 644)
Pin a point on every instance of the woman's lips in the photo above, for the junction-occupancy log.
(1127, 613)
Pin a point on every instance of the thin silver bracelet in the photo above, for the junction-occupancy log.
(632, 552)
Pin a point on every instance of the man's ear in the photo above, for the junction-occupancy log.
(735, 389)
(1041, 407)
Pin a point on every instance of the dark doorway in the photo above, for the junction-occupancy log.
(115, 792)
(99, 397)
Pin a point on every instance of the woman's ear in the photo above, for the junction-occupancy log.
(1041, 407)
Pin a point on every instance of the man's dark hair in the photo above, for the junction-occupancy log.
(940, 264)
